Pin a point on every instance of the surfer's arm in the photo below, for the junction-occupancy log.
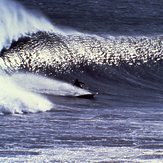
(82, 83)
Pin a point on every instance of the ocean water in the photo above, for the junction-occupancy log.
(114, 47)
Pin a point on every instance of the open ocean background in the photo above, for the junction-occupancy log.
(114, 47)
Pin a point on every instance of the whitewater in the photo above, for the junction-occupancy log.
(41, 118)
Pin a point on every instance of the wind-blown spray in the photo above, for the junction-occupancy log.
(16, 21)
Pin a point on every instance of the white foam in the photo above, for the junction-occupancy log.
(14, 99)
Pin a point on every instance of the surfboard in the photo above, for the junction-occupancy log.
(82, 96)
(87, 96)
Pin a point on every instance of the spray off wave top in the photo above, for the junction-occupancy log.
(16, 21)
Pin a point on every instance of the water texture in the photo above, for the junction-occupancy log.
(114, 47)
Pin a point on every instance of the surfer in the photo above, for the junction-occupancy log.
(78, 83)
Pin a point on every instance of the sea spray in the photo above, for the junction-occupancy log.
(43, 85)
(16, 21)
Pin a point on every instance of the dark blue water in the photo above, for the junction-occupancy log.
(104, 16)
(118, 53)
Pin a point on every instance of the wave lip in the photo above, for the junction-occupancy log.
(16, 21)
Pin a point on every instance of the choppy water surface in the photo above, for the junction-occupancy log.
(84, 133)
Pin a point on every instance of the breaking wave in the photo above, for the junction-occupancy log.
(19, 25)
(103, 63)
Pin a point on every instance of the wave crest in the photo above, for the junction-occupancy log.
(16, 21)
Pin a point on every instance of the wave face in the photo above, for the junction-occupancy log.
(113, 66)
(54, 54)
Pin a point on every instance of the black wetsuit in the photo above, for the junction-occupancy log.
(77, 83)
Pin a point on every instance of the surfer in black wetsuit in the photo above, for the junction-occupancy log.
(78, 83)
